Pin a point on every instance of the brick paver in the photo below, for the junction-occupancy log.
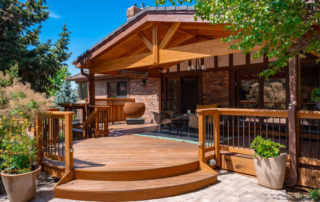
(229, 188)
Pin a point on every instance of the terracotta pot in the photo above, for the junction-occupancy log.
(21, 187)
(134, 109)
(271, 172)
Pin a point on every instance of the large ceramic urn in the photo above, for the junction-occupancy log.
(134, 109)
(271, 171)
(21, 187)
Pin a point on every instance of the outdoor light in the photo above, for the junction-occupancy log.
(143, 82)
(192, 68)
(203, 68)
(189, 68)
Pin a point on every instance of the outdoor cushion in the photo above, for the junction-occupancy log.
(207, 106)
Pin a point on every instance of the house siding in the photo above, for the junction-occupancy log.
(148, 94)
(216, 88)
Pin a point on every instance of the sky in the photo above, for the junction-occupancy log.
(89, 21)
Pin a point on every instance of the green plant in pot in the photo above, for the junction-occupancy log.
(269, 163)
(18, 108)
(315, 97)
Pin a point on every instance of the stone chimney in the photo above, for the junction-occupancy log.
(132, 11)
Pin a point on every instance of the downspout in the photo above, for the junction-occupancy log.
(292, 145)
(88, 91)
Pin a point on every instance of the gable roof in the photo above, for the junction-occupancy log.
(131, 21)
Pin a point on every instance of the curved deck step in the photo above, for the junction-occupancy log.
(93, 190)
(131, 175)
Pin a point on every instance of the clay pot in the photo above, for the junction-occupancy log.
(21, 187)
(271, 171)
(134, 109)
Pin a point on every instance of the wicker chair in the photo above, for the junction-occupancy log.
(162, 121)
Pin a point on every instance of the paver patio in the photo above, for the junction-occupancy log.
(231, 187)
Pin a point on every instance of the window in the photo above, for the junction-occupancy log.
(309, 81)
(83, 87)
(118, 90)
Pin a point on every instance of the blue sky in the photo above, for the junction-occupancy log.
(89, 21)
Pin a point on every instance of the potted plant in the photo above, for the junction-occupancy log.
(19, 104)
(269, 163)
(315, 97)
(21, 174)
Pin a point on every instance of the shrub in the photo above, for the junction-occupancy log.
(314, 194)
(315, 95)
(19, 101)
(265, 148)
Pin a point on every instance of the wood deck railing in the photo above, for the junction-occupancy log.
(234, 130)
(54, 137)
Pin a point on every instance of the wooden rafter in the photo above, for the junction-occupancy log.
(155, 42)
(169, 35)
(195, 34)
(187, 52)
(145, 40)
(179, 40)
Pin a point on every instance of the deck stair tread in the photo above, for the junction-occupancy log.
(95, 190)
(108, 186)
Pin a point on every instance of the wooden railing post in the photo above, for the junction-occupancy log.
(39, 134)
(202, 131)
(216, 127)
(68, 142)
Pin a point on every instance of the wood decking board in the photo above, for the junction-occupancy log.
(134, 190)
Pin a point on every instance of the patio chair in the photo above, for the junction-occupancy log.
(162, 121)
(193, 123)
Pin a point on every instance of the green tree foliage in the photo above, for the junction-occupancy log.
(57, 80)
(285, 28)
(66, 95)
(20, 25)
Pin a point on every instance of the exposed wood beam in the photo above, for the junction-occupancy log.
(187, 52)
(116, 73)
(155, 42)
(169, 65)
(179, 40)
(145, 40)
(195, 34)
(313, 53)
(169, 34)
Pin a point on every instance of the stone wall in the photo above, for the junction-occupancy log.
(216, 88)
(147, 94)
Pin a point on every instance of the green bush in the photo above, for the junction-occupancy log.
(265, 148)
(315, 95)
(314, 194)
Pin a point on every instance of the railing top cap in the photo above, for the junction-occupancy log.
(60, 112)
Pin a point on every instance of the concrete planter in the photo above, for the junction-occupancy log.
(271, 172)
(21, 187)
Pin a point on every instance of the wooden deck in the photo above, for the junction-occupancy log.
(125, 166)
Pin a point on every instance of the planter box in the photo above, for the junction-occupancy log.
(271, 172)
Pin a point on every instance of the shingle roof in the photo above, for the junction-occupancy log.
(80, 77)
(160, 9)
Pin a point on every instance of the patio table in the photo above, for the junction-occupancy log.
(180, 121)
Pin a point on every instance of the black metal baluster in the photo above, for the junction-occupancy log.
(255, 128)
(302, 151)
(228, 128)
(233, 131)
(243, 133)
(238, 131)
(310, 138)
(273, 130)
(318, 139)
(267, 127)
(249, 129)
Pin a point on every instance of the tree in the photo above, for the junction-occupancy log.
(20, 25)
(57, 80)
(285, 28)
(66, 95)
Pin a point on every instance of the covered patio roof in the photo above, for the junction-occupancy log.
(154, 40)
